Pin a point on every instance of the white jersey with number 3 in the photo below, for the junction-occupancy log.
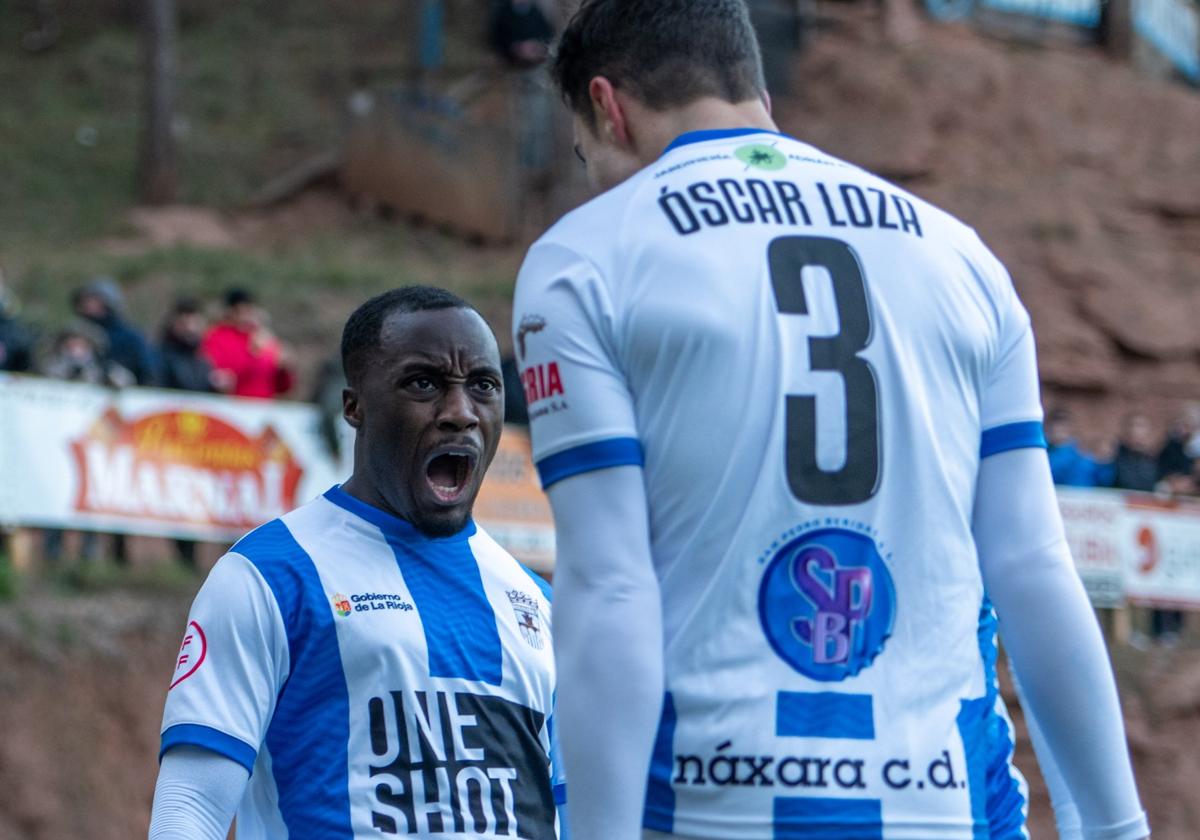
(809, 364)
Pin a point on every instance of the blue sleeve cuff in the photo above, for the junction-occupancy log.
(196, 735)
(560, 794)
(1025, 435)
(614, 452)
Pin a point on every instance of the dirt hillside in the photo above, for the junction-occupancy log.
(1082, 175)
(82, 681)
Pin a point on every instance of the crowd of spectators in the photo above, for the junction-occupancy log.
(236, 354)
(1141, 458)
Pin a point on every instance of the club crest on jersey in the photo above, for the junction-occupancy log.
(528, 617)
(341, 605)
(827, 603)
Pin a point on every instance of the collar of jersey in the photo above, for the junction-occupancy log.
(392, 526)
(705, 135)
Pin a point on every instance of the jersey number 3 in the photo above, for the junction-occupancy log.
(858, 478)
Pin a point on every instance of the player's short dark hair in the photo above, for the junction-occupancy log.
(360, 336)
(667, 53)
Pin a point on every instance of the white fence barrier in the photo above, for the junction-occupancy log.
(174, 464)
(196, 466)
(1134, 547)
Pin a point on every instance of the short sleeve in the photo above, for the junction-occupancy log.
(230, 668)
(1011, 405)
(581, 412)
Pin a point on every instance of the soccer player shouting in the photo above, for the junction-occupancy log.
(372, 662)
(787, 414)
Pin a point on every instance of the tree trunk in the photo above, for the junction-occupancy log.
(157, 176)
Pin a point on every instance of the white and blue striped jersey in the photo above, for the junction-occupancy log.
(809, 364)
(374, 681)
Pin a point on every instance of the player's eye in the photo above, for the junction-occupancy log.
(421, 384)
(487, 386)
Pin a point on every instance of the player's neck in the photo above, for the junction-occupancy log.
(709, 114)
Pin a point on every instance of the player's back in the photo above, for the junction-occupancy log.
(811, 362)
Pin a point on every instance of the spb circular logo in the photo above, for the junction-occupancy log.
(827, 603)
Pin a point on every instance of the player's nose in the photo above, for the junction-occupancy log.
(457, 411)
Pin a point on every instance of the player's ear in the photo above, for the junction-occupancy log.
(351, 408)
(611, 124)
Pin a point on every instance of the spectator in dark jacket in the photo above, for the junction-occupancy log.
(184, 367)
(1069, 464)
(102, 303)
(16, 339)
(181, 364)
(1136, 465)
(1178, 456)
(520, 32)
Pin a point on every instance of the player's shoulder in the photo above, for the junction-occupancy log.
(496, 560)
(278, 554)
(278, 541)
(576, 231)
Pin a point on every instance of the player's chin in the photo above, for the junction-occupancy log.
(438, 516)
(442, 522)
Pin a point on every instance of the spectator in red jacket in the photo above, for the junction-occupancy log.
(247, 358)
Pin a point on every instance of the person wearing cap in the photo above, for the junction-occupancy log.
(102, 303)
(250, 361)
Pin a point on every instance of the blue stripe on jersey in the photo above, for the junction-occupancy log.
(196, 735)
(705, 135)
(614, 452)
(825, 714)
(443, 578)
(659, 813)
(997, 805)
(1012, 436)
(313, 708)
(456, 616)
(813, 818)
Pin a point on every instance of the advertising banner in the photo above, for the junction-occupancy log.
(144, 461)
(511, 505)
(1162, 542)
(1134, 547)
(1095, 527)
(206, 467)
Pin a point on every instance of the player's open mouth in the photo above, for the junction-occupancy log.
(449, 472)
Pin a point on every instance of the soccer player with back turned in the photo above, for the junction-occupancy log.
(372, 663)
(787, 414)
